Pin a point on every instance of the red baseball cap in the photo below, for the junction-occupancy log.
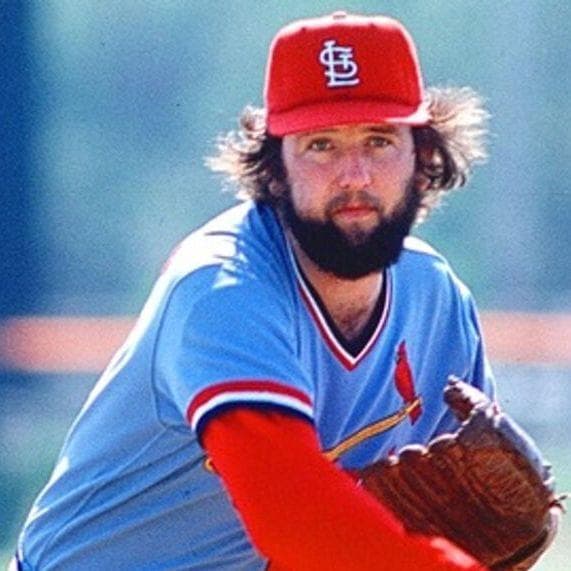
(342, 69)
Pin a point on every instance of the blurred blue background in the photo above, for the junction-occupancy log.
(107, 110)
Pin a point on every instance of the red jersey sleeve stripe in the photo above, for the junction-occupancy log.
(247, 391)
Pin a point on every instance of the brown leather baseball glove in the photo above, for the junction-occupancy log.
(485, 487)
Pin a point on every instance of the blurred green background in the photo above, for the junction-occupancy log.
(107, 110)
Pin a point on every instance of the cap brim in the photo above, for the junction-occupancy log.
(324, 115)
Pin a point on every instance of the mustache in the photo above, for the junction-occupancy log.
(347, 198)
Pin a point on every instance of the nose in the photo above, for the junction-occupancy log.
(354, 171)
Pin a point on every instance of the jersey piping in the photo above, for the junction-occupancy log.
(258, 392)
(348, 360)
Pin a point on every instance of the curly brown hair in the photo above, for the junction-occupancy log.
(446, 149)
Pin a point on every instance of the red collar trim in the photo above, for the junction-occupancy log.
(348, 360)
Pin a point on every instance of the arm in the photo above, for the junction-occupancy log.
(304, 513)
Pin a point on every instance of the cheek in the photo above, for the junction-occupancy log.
(301, 196)
(393, 176)
(308, 188)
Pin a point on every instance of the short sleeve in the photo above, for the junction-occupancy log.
(225, 342)
(479, 373)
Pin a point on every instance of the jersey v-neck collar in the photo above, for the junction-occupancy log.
(350, 354)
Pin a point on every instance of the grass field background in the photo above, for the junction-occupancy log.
(36, 411)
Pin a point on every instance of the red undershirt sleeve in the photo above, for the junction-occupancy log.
(301, 511)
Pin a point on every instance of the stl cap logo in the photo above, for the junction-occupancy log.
(340, 68)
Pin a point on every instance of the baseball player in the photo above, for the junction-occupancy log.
(296, 337)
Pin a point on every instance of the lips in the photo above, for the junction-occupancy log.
(354, 210)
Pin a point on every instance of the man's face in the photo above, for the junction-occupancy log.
(350, 199)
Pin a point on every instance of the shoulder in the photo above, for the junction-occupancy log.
(421, 252)
(424, 268)
(238, 259)
(238, 256)
(244, 244)
(245, 233)
(421, 255)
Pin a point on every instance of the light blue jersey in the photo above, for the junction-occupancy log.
(232, 321)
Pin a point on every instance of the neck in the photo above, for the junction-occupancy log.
(349, 302)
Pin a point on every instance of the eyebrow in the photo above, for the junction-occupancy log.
(382, 129)
(390, 129)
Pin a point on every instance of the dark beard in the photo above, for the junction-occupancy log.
(358, 255)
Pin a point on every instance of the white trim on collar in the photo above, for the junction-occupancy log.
(348, 360)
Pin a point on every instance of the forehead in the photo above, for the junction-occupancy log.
(353, 130)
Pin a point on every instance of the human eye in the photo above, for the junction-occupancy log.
(319, 145)
(378, 141)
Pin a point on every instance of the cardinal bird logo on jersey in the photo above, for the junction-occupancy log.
(404, 382)
(411, 408)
